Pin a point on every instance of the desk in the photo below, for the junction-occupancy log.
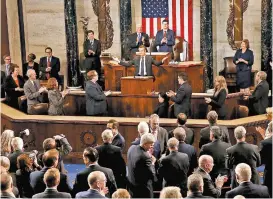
(136, 85)
(165, 76)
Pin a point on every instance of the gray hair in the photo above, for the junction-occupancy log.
(216, 132)
(170, 192)
(204, 159)
(17, 143)
(180, 133)
(172, 143)
(195, 181)
(243, 170)
(107, 135)
(147, 138)
(30, 71)
(94, 177)
(239, 132)
(143, 127)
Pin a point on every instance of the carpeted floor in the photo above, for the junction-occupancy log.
(73, 169)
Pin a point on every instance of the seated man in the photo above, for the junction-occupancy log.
(97, 186)
(52, 180)
(259, 98)
(33, 91)
(142, 63)
(246, 188)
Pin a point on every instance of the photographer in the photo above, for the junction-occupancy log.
(61, 144)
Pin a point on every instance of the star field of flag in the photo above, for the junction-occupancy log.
(154, 8)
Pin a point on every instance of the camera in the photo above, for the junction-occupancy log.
(24, 132)
(33, 154)
(57, 140)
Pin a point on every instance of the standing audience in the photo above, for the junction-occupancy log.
(118, 139)
(6, 186)
(30, 64)
(6, 138)
(195, 186)
(17, 145)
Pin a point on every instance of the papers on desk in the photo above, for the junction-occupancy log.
(74, 88)
(138, 77)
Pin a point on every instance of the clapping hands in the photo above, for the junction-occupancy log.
(170, 93)
(116, 59)
(107, 93)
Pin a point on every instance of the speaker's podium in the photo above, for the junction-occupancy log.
(136, 85)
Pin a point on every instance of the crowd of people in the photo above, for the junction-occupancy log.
(158, 162)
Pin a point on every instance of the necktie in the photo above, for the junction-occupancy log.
(141, 70)
(48, 65)
(7, 70)
(35, 86)
(92, 42)
(139, 37)
(165, 34)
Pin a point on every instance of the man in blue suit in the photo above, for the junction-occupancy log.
(97, 183)
(165, 38)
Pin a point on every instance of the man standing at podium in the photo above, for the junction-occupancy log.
(165, 38)
(142, 63)
(137, 39)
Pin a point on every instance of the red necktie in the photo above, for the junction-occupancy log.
(48, 65)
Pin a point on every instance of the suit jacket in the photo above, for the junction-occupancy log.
(90, 193)
(95, 99)
(52, 193)
(3, 68)
(38, 185)
(216, 149)
(6, 195)
(156, 151)
(162, 110)
(243, 152)
(134, 43)
(3, 80)
(210, 188)
(56, 102)
(23, 184)
(266, 159)
(92, 61)
(174, 169)
(141, 172)
(55, 67)
(119, 141)
(110, 157)
(259, 98)
(218, 103)
(148, 64)
(182, 99)
(191, 152)
(162, 137)
(13, 160)
(11, 94)
(197, 195)
(35, 67)
(165, 47)
(249, 190)
(205, 133)
(81, 183)
(32, 94)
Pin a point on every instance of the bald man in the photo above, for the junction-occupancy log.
(137, 39)
(212, 189)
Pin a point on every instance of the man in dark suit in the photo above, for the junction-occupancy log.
(195, 186)
(137, 39)
(205, 167)
(97, 186)
(52, 180)
(17, 145)
(5, 71)
(212, 118)
(165, 38)
(266, 158)
(118, 139)
(247, 188)
(49, 66)
(174, 167)
(141, 171)
(142, 129)
(90, 158)
(92, 51)
(243, 152)
(110, 157)
(183, 147)
(159, 133)
(50, 160)
(33, 91)
(142, 63)
(182, 99)
(217, 150)
(259, 99)
(181, 122)
(6, 186)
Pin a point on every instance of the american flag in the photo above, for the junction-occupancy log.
(179, 14)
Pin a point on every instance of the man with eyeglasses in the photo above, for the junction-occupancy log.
(49, 66)
(97, 183)
(5, 71)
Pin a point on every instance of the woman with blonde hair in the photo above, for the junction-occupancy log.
(6, 138)
(55, 97)
(218, 99)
